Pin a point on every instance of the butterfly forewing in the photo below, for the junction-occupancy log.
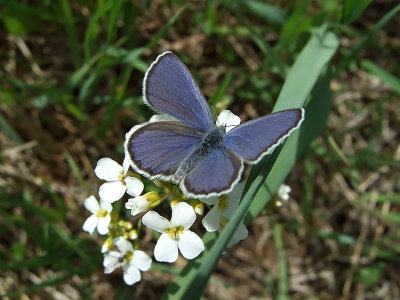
(170, 88)
(217, 173)
(253, 139)
(156, 149)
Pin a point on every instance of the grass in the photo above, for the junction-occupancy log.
(70, 88)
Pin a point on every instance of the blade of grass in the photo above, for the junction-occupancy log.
(267, 11)
(353, 9)
(313, 58)
(112, 21)
(282, 275)
(391, 81)
(132, 58)
(9, 131)
(72, 36)
(347, 59)
(265, 48)
(93, 29)
(75, 170)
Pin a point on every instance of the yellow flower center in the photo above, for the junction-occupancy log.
(122, 177)
(174, 232)
(222, 202)
(101, 213)
(128, 257)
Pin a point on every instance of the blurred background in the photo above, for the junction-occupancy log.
(70, 88)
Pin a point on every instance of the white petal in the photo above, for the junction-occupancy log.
(126, 163)
(105, 206)
(232, 205)
(141, 260)
(112, 191)
(240, 234)
(90, 224)
(209, 200)
(92, 205)
(190, 244)
(134, 186)
(108, 169)
(111, 261)
(137, 205)
(123, 245)
(237, 191)
(228, 120)
(284, 191)
(212, 219)
(102, 225)
(157, 118)
(156, 222)
(166, 249)
(183, 215)
(131, 274)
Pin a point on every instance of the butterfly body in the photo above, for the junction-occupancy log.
(191, 150)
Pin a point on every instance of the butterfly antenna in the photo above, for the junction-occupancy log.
(212, 108)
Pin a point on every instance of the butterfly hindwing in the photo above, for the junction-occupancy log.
(216, 173)
(156, 149)
(254, 139)
(169, 87)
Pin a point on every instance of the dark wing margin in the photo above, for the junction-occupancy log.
(254, 139)
(169, 87)
(156, 149)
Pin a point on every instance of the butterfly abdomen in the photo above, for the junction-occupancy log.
(211, 140)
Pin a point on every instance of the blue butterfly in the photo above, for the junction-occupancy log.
(189, 149)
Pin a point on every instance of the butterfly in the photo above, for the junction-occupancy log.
(187, 147)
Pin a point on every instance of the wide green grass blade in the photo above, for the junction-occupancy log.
(317, 111)
(306, 69)
(353, 9)
(391, 81)
(194, 277)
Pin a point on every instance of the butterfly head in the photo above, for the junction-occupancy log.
(213, 138)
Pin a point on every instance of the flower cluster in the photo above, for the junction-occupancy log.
(121, 247)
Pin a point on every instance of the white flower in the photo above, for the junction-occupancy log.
(101, 216)
(175, 233)
(228, 120)
(240, 234)
(284, 191)
(158, 118)
(224, 205)
(140, 204)
(129, 259)
(117, 181)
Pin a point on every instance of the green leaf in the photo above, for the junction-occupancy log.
(353, 9)
(317, 111)
(306, 69)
